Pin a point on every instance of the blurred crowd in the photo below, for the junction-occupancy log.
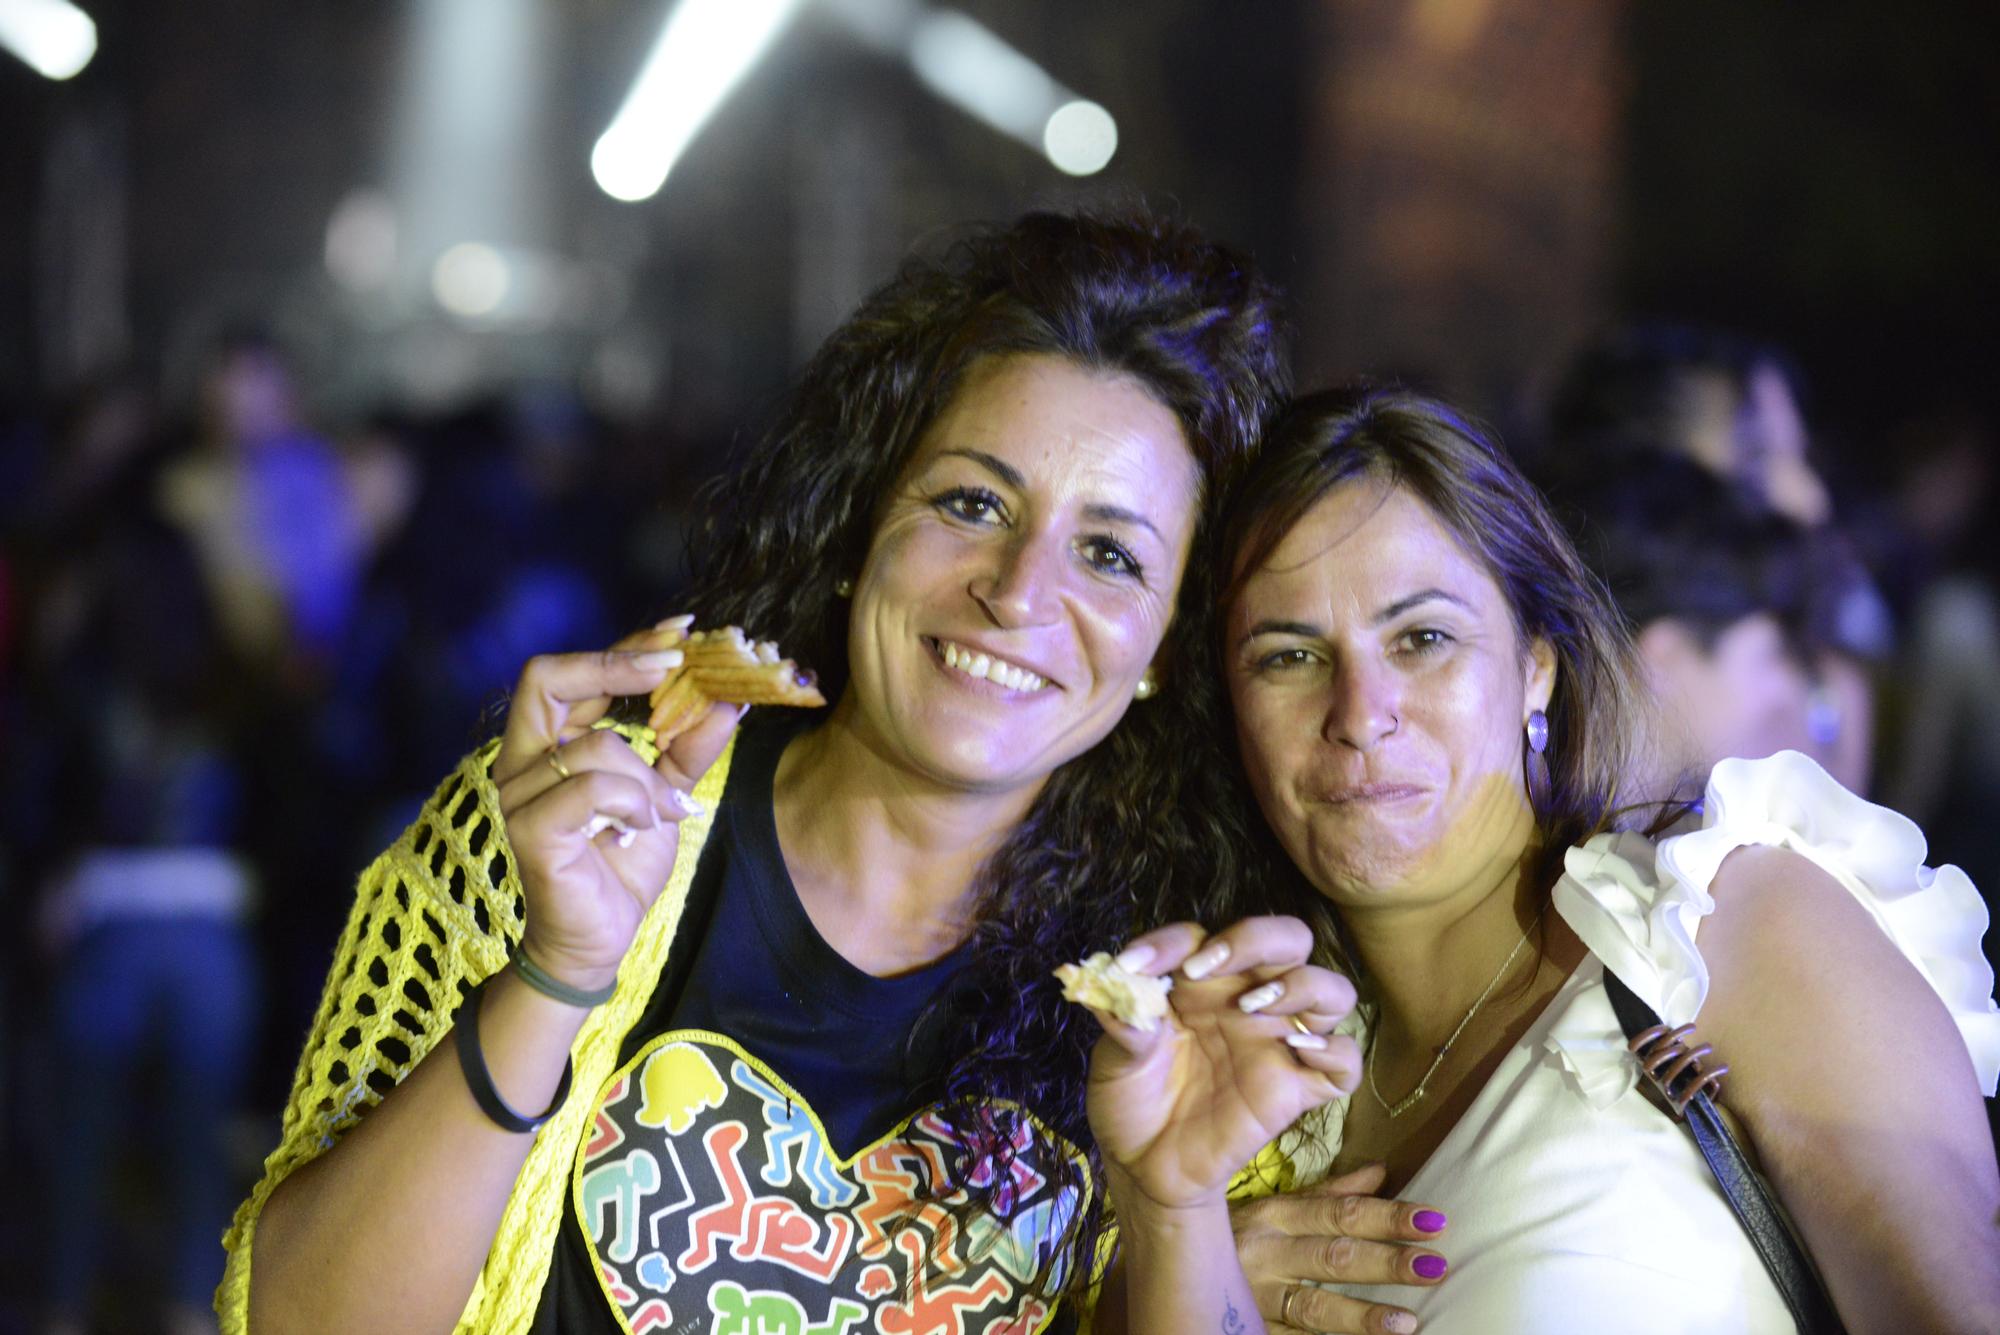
(237, 650)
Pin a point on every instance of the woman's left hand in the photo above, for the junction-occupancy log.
(1245, 1050)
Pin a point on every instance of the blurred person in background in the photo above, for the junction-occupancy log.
(285, 523)
(152, 990)
(1720, 593)
(1726, 402)
(1733, 406)
(1945, 768)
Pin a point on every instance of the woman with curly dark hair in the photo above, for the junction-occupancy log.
(814, 1070)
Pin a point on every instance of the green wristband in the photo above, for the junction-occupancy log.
(546, 983)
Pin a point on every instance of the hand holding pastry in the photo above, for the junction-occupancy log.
(593, 827)
(1245, 1048)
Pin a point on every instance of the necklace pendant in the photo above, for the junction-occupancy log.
(1403, 1105)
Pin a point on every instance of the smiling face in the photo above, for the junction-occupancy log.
(1381, 692)
(1021, 576)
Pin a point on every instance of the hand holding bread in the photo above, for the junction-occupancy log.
(593, 826)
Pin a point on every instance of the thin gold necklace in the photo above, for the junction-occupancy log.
(1415, 1096)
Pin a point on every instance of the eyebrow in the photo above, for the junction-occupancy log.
(1311, 631)
(1012, 476)
(1402, 605)
(999, 467)
(1118, 514)
(1301, 628)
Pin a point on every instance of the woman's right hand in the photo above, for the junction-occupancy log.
(1337, 1232)
(587, 892)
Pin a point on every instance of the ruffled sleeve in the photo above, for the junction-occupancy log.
(1638, 904)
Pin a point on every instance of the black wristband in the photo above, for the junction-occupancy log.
(546, 983)
(472, 1062)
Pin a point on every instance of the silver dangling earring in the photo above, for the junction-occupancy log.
(1147, 686)
(1535, 765)
(844, 587)
(1538, 732)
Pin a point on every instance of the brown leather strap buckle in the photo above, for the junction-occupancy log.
(1675, 1067)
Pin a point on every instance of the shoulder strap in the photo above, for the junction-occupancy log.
(1763, 1218)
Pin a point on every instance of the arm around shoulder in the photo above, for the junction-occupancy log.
(1859, 1095)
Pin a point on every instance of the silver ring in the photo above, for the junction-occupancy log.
(554, 756)
(1285, 1307)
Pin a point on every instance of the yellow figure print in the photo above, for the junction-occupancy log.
(678, 1082)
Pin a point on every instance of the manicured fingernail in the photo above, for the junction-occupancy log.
(657, 660)
(1134, 958)
(1253, 1001)
(1207, 960)
(599, 823)
(1428, 1267)
(685, 802)
(1429, 1221)
(1403, 1323)
(1315, 1042)
(681, 622)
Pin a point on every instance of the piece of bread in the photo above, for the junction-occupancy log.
(726, 665)
(1101, 983)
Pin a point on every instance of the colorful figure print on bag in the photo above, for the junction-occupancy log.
(712, 1202)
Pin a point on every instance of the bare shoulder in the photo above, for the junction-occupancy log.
(1858, 1092)
(1802, 976)
(1777, 909)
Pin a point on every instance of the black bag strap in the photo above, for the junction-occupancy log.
(1763, 1219)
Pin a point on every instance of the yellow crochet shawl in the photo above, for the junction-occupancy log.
(439, 911)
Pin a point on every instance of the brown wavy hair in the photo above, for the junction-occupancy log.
(1146, 826)
(1598, 769)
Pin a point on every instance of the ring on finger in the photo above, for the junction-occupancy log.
(1299, 1023)
(1291, 1292)
(554, 756)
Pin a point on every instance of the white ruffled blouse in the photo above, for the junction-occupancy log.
(1575, 1204)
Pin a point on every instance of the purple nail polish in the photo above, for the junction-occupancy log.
(1428, 1267)
(1429, 1221)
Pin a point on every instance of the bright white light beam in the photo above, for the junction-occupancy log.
(706, 47)
(971, 67)
(53, 37)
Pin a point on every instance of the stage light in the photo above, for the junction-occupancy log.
(361, 241)
(705, 49)
(965, 63)
(53, 37)
(471, 280)
(1080, 137)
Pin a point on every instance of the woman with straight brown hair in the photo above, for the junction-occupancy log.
(1440, 713)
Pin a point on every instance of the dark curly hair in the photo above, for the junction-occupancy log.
(1143, 828)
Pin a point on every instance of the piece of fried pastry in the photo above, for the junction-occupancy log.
(726, 665)
(1101, 983)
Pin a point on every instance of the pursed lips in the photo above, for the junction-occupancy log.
(1369, 794)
